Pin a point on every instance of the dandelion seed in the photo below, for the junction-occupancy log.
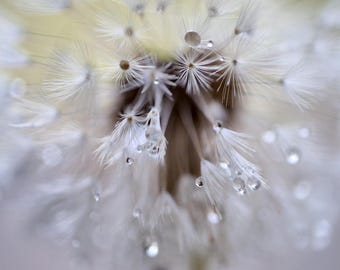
(195, 71)
(122, 25)
(245, 66)
(70, 75)
(246, 22)
(127, 73)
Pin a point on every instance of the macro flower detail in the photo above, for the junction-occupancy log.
(168, 134)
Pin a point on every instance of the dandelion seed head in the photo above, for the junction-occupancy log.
(168, 129)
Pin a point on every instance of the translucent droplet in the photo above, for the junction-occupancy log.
(269, 137)
(96, 196)
(152, 249)
(253, 183)
(240, 186)
(129, 161)
(304, 133)
(140, 148)
(137, 213)
(293, 156)
(321, 234)
(213, 216)
(210, 44)
(238, 173)
(226, 168)
(52, 155)
(192, 38)
(156, 81)
(302, 190)
(199, 181)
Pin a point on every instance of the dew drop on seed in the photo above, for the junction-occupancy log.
(238, 173)
(140, 148)
(226, 168)
(199, 181)
(269, 137)
(224, 165)
(302, 190)
(253, 184)
(96, 196)
(321, 234)
(152, 249)
(137, 213)
(293, 156)
(210, 44)
(240, 186)
(192, 38)
(213, 216)
(129, 161)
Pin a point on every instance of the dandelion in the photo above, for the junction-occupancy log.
(137, 152)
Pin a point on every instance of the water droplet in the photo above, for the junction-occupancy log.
(96, 196)
(293, 156)
(140, 148)
(321, 234)
(152, 249)
(199, 181)
(192, 38)
(137, 213)
(240, 186)
(129, 161)
(253, 183)
(269, 137)
(238, 173)
(226, 168)
(304, 133)
(210, 44)
(214, 216)
(156, 81)
(302, 190)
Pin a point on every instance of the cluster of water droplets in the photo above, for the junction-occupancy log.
(155, 144)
